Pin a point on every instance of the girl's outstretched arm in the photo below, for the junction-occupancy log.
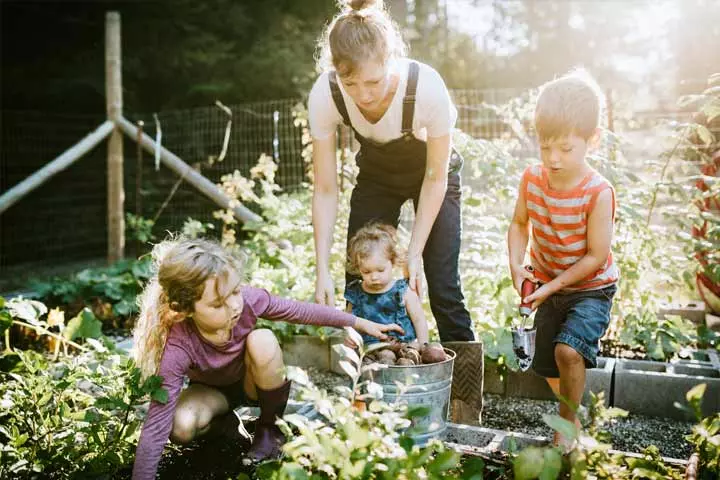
(275, 308)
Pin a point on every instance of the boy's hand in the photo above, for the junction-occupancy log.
(377, 330)
(518, 274)
(538, 296)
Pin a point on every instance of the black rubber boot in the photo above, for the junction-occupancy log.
(230, 426)
(268, 439)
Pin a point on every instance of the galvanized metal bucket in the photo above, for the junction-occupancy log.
(427, 385)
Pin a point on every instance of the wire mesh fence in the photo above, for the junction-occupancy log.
(65, 219)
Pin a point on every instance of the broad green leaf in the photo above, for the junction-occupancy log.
(355, 336)
(347, 352)
(696, 393)
(159, 395)
(712, 109)
(552, 464)
(415, 411)
(566, 428)
(375, 346)
(84, 325)
(444, 461)
(528, 465)
(348, 368)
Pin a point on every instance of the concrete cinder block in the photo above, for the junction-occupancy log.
(307, 351)
(693, 311)
(651, 388)
(530, 385)
(488, 439)
(712, 322)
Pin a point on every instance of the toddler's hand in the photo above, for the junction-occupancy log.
(377, 330)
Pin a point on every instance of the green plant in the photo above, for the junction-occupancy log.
(25, 315)
(80, 415)
(348, 443)
(195, 229)
(110, 292)
(589, 456)
(139, 228)
(705, 436)
(662, 338)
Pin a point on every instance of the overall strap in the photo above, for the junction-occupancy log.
(408, 111)
(338, 98)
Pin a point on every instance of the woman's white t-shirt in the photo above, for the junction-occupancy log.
(435, 114)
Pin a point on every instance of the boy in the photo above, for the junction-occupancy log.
(570, 209)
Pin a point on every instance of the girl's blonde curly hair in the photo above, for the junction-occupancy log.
(181, 266)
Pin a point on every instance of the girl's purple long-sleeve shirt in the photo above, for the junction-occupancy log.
(187, 353)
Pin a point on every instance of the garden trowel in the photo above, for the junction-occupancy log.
(523, 337)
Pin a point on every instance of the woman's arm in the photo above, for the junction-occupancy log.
(417, 316)
(432, 195)
(324, 213)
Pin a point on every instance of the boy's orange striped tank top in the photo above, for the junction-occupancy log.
(559, 227)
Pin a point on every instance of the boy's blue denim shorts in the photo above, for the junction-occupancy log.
(577, 319)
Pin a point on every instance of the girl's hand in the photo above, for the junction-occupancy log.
(519, 273)
(377, 330)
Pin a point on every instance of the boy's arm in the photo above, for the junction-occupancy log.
(417, 315)
(517, 239)
(599, 238)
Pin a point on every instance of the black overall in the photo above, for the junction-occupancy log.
(393, 172)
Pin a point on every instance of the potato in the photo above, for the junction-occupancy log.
(410, 353)
(395, 346)
(386, 357)
(432, 353)
(405, 362)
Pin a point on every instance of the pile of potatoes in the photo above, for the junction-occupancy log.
(402, 354)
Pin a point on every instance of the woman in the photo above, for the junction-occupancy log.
(402, 115)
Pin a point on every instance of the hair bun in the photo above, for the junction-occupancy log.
(358, 5)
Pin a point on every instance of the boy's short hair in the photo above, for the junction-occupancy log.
(569, 105)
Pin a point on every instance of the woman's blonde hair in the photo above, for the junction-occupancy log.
(181, 266)
(371, 238)
(362, 31)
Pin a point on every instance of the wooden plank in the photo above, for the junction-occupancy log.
(67, 158)
(113, 95)
(197, 180)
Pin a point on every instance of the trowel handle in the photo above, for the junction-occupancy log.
(526, 289)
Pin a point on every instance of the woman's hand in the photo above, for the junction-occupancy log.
(414, 273)
(324, 288)
(377, 330)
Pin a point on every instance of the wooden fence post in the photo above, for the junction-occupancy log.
(113, 94)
